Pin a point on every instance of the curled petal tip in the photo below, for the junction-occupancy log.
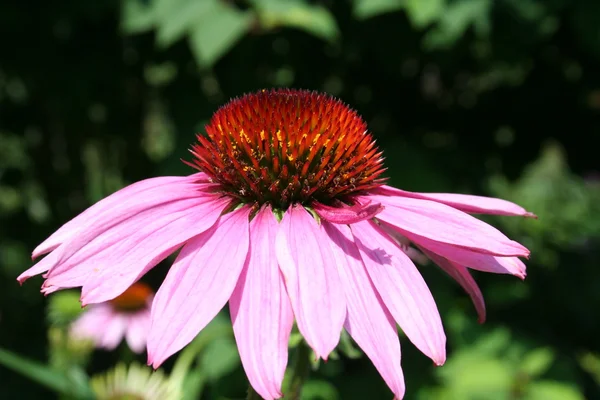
(348, 214)
(530, 215)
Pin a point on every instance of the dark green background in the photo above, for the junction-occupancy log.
(497, 98)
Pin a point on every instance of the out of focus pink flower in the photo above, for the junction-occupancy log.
(126, 316)
(288, 219)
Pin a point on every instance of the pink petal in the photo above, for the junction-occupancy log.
(478, 261)
(141, 190)
(367, 320)
(198, 285)
(136, 333)
(464, 279)
(118, 257)
(312, 282)
(37, 269)
(114, 331)
(347, 214)
(464, 202)
(441, 223)
(402, 289)
(91, 324)
(261, 311)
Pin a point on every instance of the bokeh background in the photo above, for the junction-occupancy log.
(498, 98)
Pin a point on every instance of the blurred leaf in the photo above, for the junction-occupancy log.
(64, 307)
(319, 390)
(13, 152)
(551, 390)
(591, 363)
(537, 362)
(14, 257)
(295, 339)
(547, 185)
(136, 17)
(159, 130)
(457, 17)
(347, 347)
(313, 19)
(45, 375)
(364, 9)
(220, 27)
(424, 12)
(219, 358)
(160, 74)
(177, 21)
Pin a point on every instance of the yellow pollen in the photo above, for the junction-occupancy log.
(262, 135)
(279, 137)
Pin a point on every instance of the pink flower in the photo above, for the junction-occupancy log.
(126, 316)
(288, 220)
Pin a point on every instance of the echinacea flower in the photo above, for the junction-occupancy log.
(134, 382)
(288, 219)
(126, 316)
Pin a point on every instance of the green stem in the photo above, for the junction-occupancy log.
(300, 371)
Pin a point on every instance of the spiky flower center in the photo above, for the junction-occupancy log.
(288, 146)
(133, 299)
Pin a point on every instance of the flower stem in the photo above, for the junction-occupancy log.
(299, 372)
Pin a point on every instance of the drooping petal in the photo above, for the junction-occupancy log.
(136, 334)
(461, 275)
(402, 289)
(113, 332)
(312, 282)
(198, 285)
(261, 311)
(442, 223)
(367, 319)
(118, 257)
(347, 214)
(464, 202)
(91, 324)
(471, 259)
(143, 190)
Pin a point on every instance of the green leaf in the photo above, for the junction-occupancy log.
(313, 19)
(456, 19)
(424, 12)
(219, 358)
(217, 32)
(319, 390)
(364, 9)
(591, 363)
(537, 362)
(550, 390)
(347, 347)
(64, 307)
(136, 17)
(174, 24)
(47, 376)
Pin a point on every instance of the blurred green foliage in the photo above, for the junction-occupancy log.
(474, 96)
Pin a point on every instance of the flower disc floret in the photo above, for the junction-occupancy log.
(289, 146)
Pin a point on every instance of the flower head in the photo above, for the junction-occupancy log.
(288, 219)
(134, 382)
(126, 316)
